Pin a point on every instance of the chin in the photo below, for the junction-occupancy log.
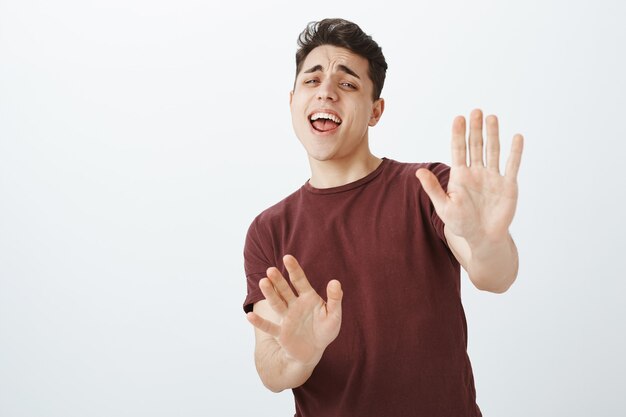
(318, 148)
(320, 155)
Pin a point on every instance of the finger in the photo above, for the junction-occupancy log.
(515, 158)
(280, 285)
(296, 275)
(459, 150)
(476, 138)
(264, 325)
(493, 143)
(274, 299)
(433, 188)
(334, 294)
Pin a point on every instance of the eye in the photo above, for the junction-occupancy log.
(348, 85)
(311, 81)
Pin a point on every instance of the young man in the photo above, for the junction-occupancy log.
(383, 240)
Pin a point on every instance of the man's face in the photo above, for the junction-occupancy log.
(332, 105)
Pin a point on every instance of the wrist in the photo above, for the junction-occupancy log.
(480, 240)
(303, 363)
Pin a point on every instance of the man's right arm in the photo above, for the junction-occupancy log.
(277, 370)
(292, 331)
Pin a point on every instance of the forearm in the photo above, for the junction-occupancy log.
(278, 371)
(491, 264)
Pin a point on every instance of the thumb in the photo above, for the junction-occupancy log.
(334, 294)
(432, 187)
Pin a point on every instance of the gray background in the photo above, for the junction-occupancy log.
(138, 139)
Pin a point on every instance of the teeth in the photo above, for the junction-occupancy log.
(329, 116)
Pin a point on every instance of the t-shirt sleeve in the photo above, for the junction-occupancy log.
(256, 263)
(442, 172)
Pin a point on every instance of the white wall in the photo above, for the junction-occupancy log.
(139, 138)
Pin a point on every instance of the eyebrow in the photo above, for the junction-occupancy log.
(343, 68)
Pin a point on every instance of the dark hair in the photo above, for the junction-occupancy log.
(345, 34)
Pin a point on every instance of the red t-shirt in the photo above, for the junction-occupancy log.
(402, 347)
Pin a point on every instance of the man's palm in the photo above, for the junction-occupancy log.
(308, 324)
(479, 202)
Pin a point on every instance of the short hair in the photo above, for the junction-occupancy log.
(345, 34)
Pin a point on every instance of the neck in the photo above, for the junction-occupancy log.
(337, 172)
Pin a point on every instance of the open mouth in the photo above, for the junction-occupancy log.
(324, 122)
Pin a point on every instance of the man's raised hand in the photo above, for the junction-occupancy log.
(479, 203)
(307, 323)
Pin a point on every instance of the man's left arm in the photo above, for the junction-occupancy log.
(490, 264)
(479, 204)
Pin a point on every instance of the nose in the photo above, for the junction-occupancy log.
(326, 91)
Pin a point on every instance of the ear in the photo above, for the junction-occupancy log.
(290, 97)
(378, 107)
